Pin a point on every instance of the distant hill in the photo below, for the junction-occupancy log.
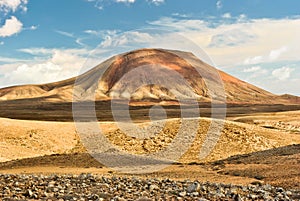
(161, 66)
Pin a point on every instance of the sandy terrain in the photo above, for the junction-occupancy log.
(23, 139)
(285, 121)
(246, 152)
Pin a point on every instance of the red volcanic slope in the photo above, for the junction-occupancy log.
(151, 75)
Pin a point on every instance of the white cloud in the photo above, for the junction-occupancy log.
(252, 69)
(115, 40)
(181, 25)
(1, 43)
(12, 5)
(37, 51)
(33, 27)
(106, 36)
(286, 87)
(65, 58)
(92, 32)
(101, 33)
(25, 73)
(79, 42)
(282, 73)
(71, 35)
(49, 65)
(64, 33)
(24, 8)
(156, 2)
(258, 39)
(125, 1)
(219, 4)
(226, 15)
(242, 17)
(46, 51)
(254, 60)
(10, 60)
(180, 15)
(11, 27)
(255, 72)
(100, 4)
(230, 38)
(275, 54)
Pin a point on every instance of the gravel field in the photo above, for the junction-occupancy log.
(92, 187)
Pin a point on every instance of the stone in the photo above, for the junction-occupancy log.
(237, 197)
(153, 187)
(28, 193)
(193, 187)
(182, 194)
(288, 193)
(83, 187)
(144, 199)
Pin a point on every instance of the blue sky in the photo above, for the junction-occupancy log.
(49, 40)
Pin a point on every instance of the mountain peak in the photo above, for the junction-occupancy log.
(151, 75)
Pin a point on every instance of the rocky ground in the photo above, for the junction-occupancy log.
(92, 187)
(252, 152)
(282, 121)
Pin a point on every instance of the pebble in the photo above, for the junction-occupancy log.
(182, 194)
(153, 187)
(92, 187)
(193, 187)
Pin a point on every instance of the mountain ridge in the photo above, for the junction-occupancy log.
(122, 77)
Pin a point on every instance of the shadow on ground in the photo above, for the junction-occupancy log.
(80, 160)
(278, 166)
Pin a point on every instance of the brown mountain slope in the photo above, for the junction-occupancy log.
(147, 75)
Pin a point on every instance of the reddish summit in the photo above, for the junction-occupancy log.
(151, 75)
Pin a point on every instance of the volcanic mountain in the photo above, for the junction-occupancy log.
(150, 75)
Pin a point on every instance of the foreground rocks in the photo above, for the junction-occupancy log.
(90, 187)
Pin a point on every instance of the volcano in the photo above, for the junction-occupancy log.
(150, 75)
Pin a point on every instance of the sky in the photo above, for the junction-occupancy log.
(255, 40)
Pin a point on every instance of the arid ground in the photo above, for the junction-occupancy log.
(253, 147)
(259, 142)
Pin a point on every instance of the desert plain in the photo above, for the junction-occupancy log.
(256, 155)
